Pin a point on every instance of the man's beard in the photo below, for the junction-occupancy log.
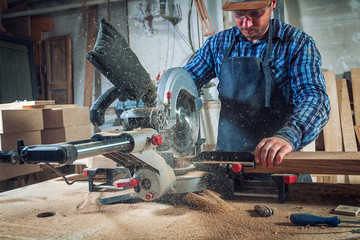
(256, 33)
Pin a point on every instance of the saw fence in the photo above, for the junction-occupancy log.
(342, 132)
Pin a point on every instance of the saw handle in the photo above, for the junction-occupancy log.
(304, 219)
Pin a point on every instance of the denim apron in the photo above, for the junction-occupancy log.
(252, 106)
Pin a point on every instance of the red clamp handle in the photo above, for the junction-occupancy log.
(127, 182)
(236, 167)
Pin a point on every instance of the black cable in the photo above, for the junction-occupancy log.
(189, 26)
(65, 179)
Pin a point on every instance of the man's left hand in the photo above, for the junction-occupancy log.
(271, 151)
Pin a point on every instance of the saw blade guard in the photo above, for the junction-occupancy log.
(183, 110)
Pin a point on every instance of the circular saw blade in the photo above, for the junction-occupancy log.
(184, 117)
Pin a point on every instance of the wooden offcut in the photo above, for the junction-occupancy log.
(21, 105)
(347, 210)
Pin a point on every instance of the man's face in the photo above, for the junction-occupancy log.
(253, 24)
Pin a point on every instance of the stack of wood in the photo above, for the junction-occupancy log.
(39, 122)
(342, 133)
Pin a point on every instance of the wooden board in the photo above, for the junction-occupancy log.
(20, 105)
(315, 163)
(355, 80)
(347, 210)
(332, 130)
(347, 124)
(51, 106)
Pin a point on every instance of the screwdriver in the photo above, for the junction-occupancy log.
(304, 219)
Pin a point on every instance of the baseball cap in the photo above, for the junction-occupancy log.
(234, 5)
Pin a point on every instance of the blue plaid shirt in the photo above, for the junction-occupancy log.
(295, 66)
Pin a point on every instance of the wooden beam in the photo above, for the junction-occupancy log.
(347, 163)
(20, 105)
(355, 80)
(347, 124)
(332, 130)
(89, 69)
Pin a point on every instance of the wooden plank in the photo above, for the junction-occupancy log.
(315, 163)
(89, 69)
(355, 81)
(20, 105)
(347, 125)
(310, 147)
(51, 106)
(332, 130)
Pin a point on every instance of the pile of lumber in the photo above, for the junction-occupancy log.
(39, 122)
(342, 133)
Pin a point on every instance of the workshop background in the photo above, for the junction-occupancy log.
(58, 34)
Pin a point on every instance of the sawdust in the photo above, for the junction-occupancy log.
(202, 216)
(88, 204)
(208, 201)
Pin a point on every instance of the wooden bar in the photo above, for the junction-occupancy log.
(347, 163)
(355, 80)
(347, 124)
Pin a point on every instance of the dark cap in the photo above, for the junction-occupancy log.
(234, 5)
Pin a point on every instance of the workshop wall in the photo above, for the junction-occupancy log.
(159, 51)
(335, 27)
(168, 47)
(333, 24)
(71, 22)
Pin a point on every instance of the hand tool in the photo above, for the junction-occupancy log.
(304, 219)
(263, 210)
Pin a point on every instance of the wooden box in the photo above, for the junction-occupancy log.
(66, 134)
(8, 171)
(8, 141)
(66, 117)
(12, 120)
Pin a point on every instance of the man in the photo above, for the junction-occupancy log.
(272, 91)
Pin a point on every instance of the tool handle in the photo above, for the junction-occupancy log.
(304, 219)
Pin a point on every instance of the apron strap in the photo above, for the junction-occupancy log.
(266, 68)
(230, 48)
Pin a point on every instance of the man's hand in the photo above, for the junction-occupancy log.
(271, 151)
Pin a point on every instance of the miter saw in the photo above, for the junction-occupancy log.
(151, 148)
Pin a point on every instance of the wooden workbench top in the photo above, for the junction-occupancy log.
(80, 216)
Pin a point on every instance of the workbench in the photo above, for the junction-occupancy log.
(74, 213)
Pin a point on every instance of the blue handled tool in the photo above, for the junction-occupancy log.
(304, 219)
